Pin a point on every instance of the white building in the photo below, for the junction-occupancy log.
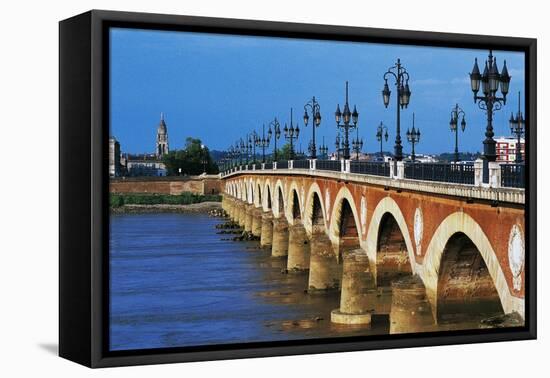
(506, 149)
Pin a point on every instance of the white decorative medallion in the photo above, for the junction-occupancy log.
(327, 202)
(418, 230)
(364, 214)
(516, 255)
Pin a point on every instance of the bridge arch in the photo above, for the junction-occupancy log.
(462, 223)
(344, 201)
(279, 200)
(314, 209)
(387, 210)
(267, 197)
(258, 193)
(250, 198)
(293, 204)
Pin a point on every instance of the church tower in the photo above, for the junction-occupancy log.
(162, 138)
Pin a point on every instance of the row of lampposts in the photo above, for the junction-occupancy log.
(490, 81)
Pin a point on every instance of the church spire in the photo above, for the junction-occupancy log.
(162, 138)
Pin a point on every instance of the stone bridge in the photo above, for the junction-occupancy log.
(419, 251)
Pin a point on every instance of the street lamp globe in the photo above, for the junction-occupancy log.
(338, 114)
(355, 115)
(317, 118)
(475, 78)
(386, 94)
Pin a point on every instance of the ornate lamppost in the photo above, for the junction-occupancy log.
(413, 136)
(315, 108)
(276, 133)
(323, 149)
(263, 141)
(517, 127)
(291, 134)
(401, 77)
(252, 145)
(456, 113)
(490, 82)
(338, 146)
(347, 117)
(380, 136)
(242, 151)
(357, 144)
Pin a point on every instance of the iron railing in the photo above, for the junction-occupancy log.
(442, 172)
(512, 175)
(300, 164)
(377, 168)
(329, 165)
(282, 164)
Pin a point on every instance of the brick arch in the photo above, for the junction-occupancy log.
(313, 190)
(278, 191)
(267, 195)
(460, 222)
(385, 206)
(258, 193)
(292, 195)
(250, 191)
(334, 228)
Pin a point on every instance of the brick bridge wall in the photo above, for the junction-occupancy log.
(165, 185)
(489, 225)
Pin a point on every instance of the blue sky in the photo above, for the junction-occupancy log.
(218, 88)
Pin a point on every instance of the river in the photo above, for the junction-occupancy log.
(176, 282)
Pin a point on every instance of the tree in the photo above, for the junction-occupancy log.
(283, 153)
(194, 159)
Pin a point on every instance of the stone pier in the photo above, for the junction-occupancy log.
(324, 270)
(266, 238)
(240, 213)
(256, 221)
(248, 217)
(410, 310)
(298, 248)
(280, 237)
(358, 294)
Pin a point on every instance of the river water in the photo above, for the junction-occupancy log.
(176, 282)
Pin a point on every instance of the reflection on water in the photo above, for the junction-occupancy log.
(176, 282)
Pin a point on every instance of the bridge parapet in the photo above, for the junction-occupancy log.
(394, 176)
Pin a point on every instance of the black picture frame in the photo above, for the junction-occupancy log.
(83, 180)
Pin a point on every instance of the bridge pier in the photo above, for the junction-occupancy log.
(266, 238)
(256, 227)
(239, 212)
(410, 310)
(248, 217)
(324, 270)
(298, 248)
(358, 295)
(279, 246)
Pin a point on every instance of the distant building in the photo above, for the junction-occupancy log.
(115, 167)
(140, 164)
(162, 138)
(423, 158)
(506, 149)
(144, 165)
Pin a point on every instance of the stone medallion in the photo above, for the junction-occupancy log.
(418, 229)
(364, 214)
(516, 255)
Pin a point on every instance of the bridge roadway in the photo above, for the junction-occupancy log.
(419, 251)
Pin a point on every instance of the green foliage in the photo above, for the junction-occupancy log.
(193, 159)
(185, 198)
(283, 153)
